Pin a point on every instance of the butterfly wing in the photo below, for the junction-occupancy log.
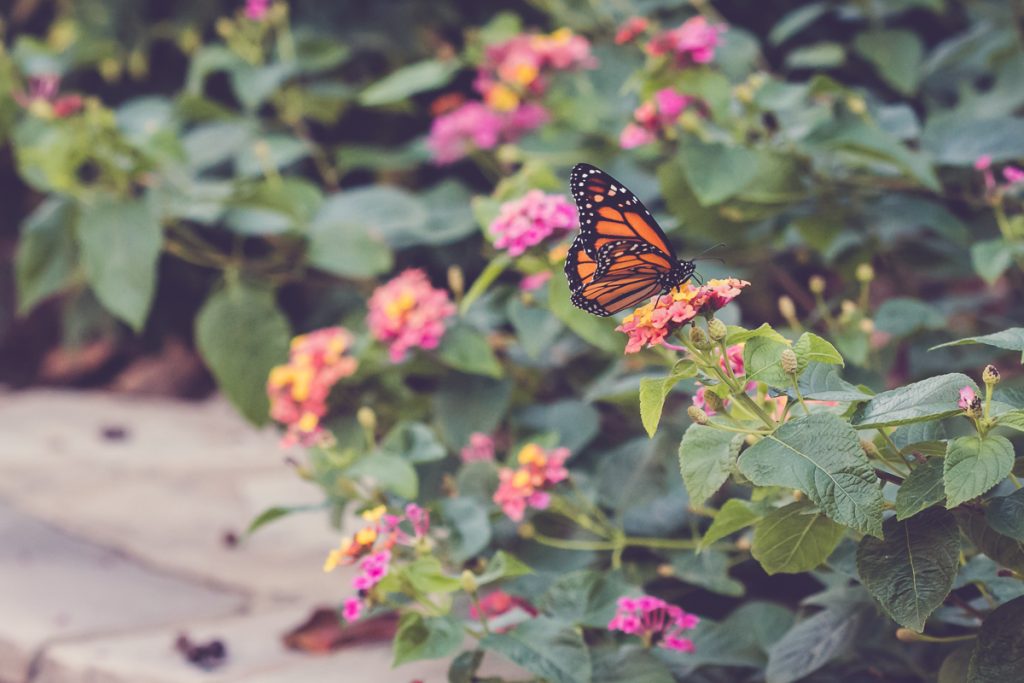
(610, 212)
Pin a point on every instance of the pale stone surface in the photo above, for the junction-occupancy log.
(53, 586)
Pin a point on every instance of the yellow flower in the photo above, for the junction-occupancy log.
(396, 308)
(297, 341)
(280, 376)
(502, 98)
(308, 422)
(521, 479)
(332, 561)
(532, 454)
(366, 536)
(562, 35)
(374, 514)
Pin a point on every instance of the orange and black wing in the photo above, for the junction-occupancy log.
(610, 212)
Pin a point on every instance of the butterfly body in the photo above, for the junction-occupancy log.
(621, 255)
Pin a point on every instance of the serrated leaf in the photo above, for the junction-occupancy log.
(470, 526)
(586, 597)
(1004, 550)
(902, 316)
(820, 454)
(973, 465)
(762, 362)
(795, 538)
(1011, 339)
(242, 335)
(546, 648)
(810, 348)
(502, 566)
(273, 514)
(420, 637)
(999, 653)
(1006, 515)
(795, 21)
(615, 665)
(717, 172)
(46, 256)
(814, 642)
(896, 55)
(708, 570)
(738, 335)
(654, 391)
(705, 460)
(930, 399)
(120, 244)
(734, 515)
(388, 472)
(991, 258)
(912, 570)
(922, 489)
(821, 382)
(464, 667)
(1014, 419)
(465, 348)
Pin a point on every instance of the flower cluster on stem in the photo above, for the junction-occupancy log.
(407, 312)
(527, 485)
(658, 623)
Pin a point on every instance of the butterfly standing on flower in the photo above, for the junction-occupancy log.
(621, 256)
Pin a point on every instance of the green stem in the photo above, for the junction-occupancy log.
(799, 396)
(490, 273)
(1014, 479)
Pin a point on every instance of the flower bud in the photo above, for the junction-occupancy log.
(816, 284)
(907, 636)
(744, 93)
(865, 273)
(697, 415)
(456, 281)
(974, 408)
(743, 543)
(856, 105)
(869, 448)
(468, 581)
(691, 121)
(787, 308)
(717, 329)
(798, 495)
(847, 308)
(665, 570)
(788, 361)
(699, 339)
(526, 530)
(990, 375)
(866, 325)
(367, 419)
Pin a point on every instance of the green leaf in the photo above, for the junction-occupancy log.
(1004, 550)
(503, 566)
(383, 212)
(241, 335)
(708, 570)
(900, 317)
(388, 472)
(1006, 515)
(46, 256)
(954, 667)
(275, 513)
(654, 391)
(762, 361)
(810, 348)
(912, 570)
(615, 665)
(546, 648)
(414, 441)
(895, 54)
(342, 246)
(738, 335)
(821, 382)
(820, 454)
(922, 489)
(999, 653)
(706, 457)
(814, 642)
(716, 172)
(991, 258)
(797, 20)
(585, 598)
(464, 667)
(420, 637)
(465, 404)
(471, 529)
(795, 538)
(930, 399)
(974, 465)
(429, 74)
(599, 332)
(426, 575)
(120, 243)
(465, 348)
(956, 141)
(821, 55)
(734, 515)
(1011, 339)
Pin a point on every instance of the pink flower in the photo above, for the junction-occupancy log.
(473, 125)
(1013, 175)
(526, 222)
(373, 569)
(983, 163)
(630, 30)
(353, 609)
(693, 42)
(480, 448)
(419, 518)
(653, 117)
(526, 486)
(407, 312)
(967, 397)
(650, 324)
(42, 99)
(499, 602)
(298, 390)
(520, 65)
(656, 621)
(256, 9)
(531, 283)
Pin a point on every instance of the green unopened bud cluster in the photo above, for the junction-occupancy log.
(991, 375)
(717, 329)
(788, 361)
(699, 339)
(697, 415)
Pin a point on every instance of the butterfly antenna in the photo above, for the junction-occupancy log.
(711, 248)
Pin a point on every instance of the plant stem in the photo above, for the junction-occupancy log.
(799, 396)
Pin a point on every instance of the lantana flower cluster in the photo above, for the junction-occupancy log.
(734, 354)
(650, 324)
(657, 622)
(652, 118)
(479, 449)
(43, 100)
(1012, 175)
(692, 42)
(526, 222)
(298, 390)
(527, 485)
(473, 125)
(371, 547)
(407, 312)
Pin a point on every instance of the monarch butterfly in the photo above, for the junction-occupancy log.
(621, 256)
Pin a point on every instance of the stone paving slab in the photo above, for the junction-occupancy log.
(54, 586)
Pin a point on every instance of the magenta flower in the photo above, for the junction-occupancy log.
(967, 397)
(1013, 175)
(256, 9)
(526, 222)
(373, 569)
(473, 125)
(653, 117)
(656, 621)
(634, 135)
(693, 42)
(352, 610)
(407, 312)
(479, 449)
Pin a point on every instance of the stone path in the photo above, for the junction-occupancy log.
(113, 513)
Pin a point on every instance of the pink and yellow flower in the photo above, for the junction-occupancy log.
(653, 117)
(693, 42)
(298, 390)
(526, 222)
(630, 30)
(527, 486)
(408, 313)
(651, 324)
(479, 449)
(475, 126)
(43, 99)
(657, 622)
